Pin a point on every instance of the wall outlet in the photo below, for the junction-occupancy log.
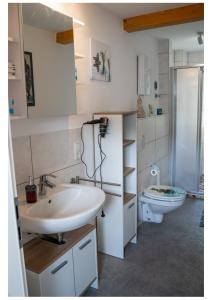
(77, 150)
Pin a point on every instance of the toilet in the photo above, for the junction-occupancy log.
(158, 200)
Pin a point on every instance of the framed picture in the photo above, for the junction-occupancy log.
(30, 95)
(100, 60)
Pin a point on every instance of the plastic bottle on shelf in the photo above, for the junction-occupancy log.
(11, 107)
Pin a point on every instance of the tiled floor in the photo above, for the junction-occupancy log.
(167, 260)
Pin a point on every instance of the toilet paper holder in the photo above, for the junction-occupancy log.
(155, 171)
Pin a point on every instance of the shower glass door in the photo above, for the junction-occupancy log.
(187, 128)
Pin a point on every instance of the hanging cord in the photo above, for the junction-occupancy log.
(102, 158)
(100, 169)
(101, 152)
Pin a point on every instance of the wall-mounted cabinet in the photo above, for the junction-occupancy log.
(16, 77)
(62, 270)
(41, 67)
(119, 226)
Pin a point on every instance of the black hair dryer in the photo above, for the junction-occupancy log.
(103, 125)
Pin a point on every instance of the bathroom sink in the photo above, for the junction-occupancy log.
(69, 207)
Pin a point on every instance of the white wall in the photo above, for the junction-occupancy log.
(142, 43)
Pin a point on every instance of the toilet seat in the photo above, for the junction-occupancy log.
(165, 193)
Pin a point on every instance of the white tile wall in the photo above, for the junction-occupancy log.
(63, 176)
(164, 170)
(147, 156)
(147, 129)
(162, 148)
(163, 83)
(22, 159)
(162, 126)
(153, 139)
(163, 60)
(164, 103)
(145, 179)
(53, 151)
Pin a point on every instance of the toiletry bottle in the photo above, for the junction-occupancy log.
(11, 107)
(31, 191)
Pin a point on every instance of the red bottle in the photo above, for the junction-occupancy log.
(31, 191)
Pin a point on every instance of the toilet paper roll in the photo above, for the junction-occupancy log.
(154, 172)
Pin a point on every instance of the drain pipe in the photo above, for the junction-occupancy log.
(155, 171)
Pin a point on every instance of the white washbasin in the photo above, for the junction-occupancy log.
(68, 208)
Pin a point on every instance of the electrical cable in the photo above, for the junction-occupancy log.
(102, 158)
(82, 154)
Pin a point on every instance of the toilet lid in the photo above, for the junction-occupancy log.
(165, 192)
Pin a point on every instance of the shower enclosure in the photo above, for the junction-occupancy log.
(187, 128)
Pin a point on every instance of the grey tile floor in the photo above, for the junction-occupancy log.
(166, 261)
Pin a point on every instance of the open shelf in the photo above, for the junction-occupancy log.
(128, 197)
(78, 56)
(127, 142)
(12, 77)
(17, 117)
(128, 170)
(123, 113)
(12, 39)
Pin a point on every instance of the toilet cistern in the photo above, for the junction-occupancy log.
(155, 171)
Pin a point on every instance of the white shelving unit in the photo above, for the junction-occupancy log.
(119, 226)
(16, 83)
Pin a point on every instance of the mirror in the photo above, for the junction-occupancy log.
(49, 61)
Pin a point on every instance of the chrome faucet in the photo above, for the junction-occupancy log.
(44, 183)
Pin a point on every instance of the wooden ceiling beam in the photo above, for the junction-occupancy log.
(65, 37)
(179, 15)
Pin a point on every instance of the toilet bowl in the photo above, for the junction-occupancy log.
(158, 200)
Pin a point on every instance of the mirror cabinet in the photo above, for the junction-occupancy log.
(41, 67)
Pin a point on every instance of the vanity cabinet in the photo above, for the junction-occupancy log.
(62, 270)
(56, 280)
(85, 264)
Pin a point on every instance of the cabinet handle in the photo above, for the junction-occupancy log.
(131, 205)
(85, 244)
(59, 267)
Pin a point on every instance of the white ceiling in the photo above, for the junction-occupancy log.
(127, 10)
(183, 36)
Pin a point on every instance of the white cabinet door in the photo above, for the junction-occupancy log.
(58, 279)
(129, 220)
(85, 262)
